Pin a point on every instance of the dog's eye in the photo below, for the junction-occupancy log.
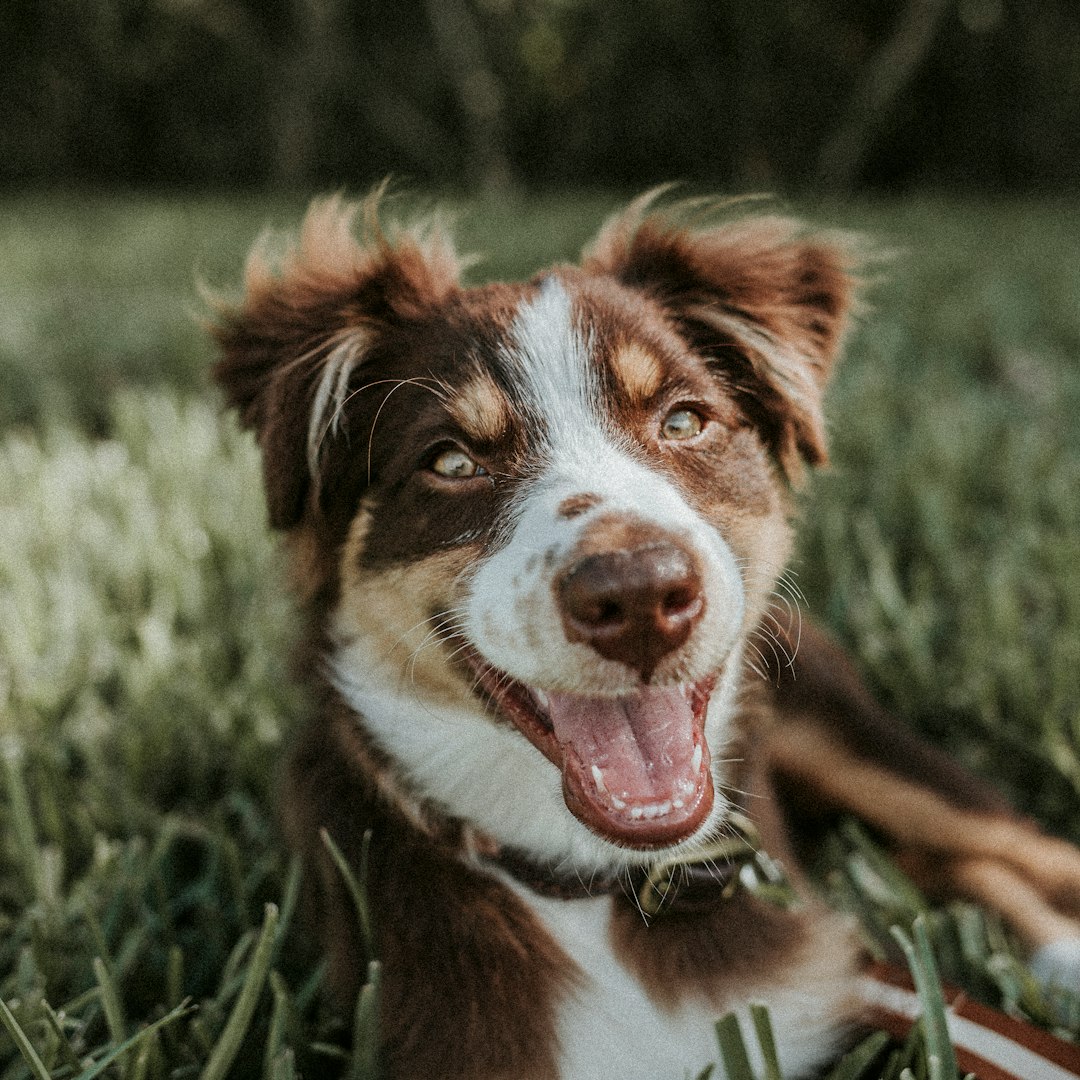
(455, 464)
(682, 424)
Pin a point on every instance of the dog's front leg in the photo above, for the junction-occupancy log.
(836, 750)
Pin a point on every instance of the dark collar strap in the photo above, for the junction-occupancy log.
(689, 883)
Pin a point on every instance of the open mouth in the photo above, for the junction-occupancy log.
(635, 769)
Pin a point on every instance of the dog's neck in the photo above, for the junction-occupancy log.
(687, 884)
(706, 869)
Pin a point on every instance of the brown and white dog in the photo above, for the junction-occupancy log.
(537, 530)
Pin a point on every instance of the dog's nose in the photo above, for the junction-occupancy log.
(634, 606)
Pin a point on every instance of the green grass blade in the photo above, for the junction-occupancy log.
(22, 819)
(920, 959)
(853, 1065)
(289, 898)
(147, 1033)
(278, 1021)
(174, 977)
(733, 1049)
(110, 1002)
(284, 1065)
(355, 883)
(759, 1015)
(23, 1043)
(895, 880)
(67, 1051)
(365, 1055)
(140, 1070)
(228, 1045)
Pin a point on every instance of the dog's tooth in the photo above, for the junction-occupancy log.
(636, 811)
(695, 761)
(542, 700)
(678, 803)
(598, 778)
(618, 803)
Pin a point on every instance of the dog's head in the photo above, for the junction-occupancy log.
(539, 521)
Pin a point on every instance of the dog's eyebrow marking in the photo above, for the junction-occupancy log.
(575, 505)
(481, 408)
(639, 371)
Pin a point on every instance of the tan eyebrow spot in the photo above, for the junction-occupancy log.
(481, 408)
(575, 505)
(639, 371)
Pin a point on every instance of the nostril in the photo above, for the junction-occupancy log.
(679, 600)
(608, 613)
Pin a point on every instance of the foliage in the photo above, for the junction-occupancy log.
(143, 634)
(980, 94)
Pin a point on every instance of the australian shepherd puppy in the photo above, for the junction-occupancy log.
(538, 531)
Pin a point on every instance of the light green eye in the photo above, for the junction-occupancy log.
(682, 424)
(455, 464)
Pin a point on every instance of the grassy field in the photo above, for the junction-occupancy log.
(143, 688)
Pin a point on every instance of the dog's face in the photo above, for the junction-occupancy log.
(542, 520)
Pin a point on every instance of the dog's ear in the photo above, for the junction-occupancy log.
(765, 302)
(293, 343)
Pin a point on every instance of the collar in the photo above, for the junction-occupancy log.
(691, 882)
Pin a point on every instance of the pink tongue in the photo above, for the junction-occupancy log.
(629, 769)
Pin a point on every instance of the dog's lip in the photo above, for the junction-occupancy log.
(525, 707)
(636, 821)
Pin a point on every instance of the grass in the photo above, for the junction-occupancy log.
(147, 910)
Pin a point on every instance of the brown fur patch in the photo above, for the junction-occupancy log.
(391, 610)
(744, 946)
(617, 532)
(481, 409)
(576, 505)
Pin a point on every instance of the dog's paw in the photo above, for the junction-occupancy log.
(1057, 963)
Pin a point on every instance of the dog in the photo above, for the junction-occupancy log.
(537, 533)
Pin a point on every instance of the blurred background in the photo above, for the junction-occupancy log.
(783, 95)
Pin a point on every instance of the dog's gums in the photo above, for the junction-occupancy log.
(635, 769)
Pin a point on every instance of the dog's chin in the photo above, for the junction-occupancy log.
(635, 768)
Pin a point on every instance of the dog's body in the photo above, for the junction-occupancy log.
(538, 530)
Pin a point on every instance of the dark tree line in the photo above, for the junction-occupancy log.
(784, 94)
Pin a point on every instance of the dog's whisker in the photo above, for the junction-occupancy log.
(773, 639)
(759, 671)
(334, 419)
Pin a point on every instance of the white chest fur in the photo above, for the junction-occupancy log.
(611, 1030)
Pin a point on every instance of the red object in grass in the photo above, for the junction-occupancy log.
(988, 1043)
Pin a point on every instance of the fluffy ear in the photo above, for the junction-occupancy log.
(293, 343)
(767, 303)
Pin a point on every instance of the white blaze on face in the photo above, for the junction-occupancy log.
(512, 616)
